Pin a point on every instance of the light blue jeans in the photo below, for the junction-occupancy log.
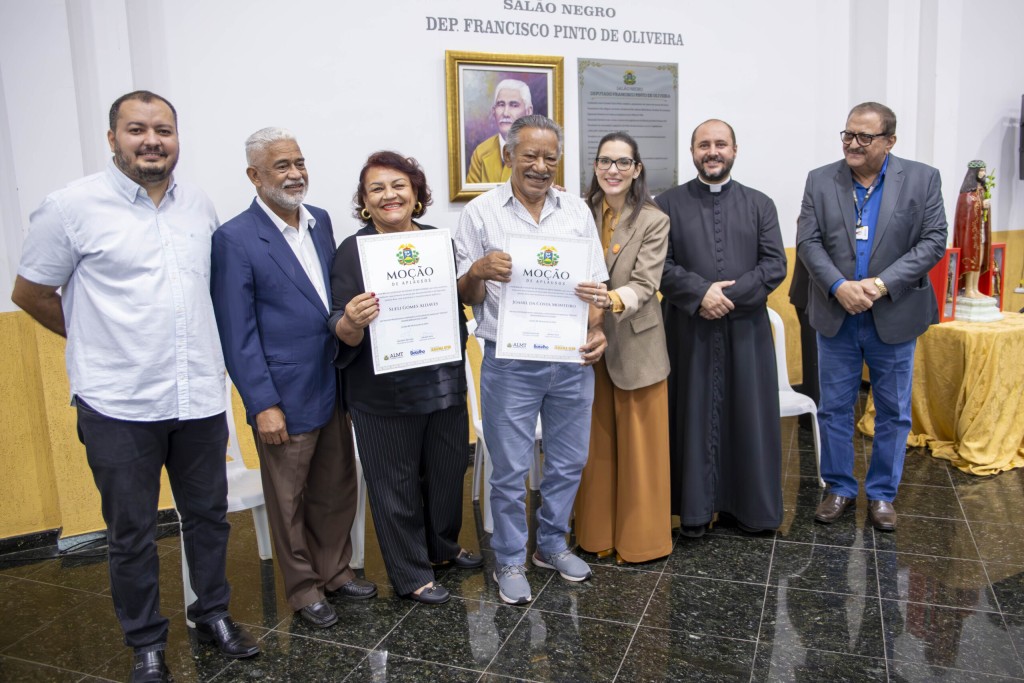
(891, 367)
(512, 393)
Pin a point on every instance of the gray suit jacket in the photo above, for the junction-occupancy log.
(910, 238)
(636, 355)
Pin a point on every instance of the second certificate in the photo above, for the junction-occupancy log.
(540, 316)
(413, 275)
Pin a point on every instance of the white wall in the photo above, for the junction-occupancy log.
(350, 79)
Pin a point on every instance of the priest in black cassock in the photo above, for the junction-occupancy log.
(725, 256)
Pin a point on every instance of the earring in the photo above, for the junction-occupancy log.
(365, 214)
(418, 210)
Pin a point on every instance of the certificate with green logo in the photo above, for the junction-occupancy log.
(540, 317)
(413, 276)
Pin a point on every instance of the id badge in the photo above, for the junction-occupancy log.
(862, 232)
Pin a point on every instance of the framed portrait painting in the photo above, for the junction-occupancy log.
(486, 92)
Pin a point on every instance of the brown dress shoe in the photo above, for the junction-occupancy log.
(832, 507)
(882, 515)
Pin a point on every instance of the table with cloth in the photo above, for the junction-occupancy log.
(968, 395)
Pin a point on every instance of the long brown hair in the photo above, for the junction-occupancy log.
(638, 193)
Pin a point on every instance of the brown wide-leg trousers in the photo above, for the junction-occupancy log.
(624, 497)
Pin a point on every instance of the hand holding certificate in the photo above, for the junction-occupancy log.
(541, 317)
(413, 277)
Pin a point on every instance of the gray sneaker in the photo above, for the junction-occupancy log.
(512, 584)
(565, 563)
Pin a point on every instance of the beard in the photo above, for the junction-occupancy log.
(141, 174)
(723, 172)
(286, 200)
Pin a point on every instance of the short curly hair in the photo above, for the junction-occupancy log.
(395, 162)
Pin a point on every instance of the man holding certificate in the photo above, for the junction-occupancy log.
(529, 262)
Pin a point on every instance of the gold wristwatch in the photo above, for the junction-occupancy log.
(882, 289)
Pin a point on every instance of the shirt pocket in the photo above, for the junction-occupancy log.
(193, 252)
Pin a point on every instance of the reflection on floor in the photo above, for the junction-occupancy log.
(942, 599)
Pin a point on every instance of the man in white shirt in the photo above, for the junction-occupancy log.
(271, 293)
(514, 392)
(129, 248)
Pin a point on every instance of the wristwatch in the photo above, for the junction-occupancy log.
(882, 289)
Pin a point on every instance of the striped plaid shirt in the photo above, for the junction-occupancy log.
(488, 218)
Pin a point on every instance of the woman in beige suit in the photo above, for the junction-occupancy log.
(623, 504)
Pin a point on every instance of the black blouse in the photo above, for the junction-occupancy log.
(418, 391)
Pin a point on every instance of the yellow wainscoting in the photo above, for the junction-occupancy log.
(46, 482)
(779, 302)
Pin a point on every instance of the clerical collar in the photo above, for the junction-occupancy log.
(715, 187)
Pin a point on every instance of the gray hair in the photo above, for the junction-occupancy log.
(513, 84)
(533, 121)
(263, 138)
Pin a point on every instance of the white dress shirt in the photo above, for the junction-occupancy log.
(142, 338)
(302, 246)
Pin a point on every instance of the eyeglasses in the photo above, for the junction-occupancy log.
(864, 139)
(623, 164)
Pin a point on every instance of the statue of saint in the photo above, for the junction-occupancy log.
(972, 229)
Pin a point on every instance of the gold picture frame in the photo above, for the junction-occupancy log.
(471, 79)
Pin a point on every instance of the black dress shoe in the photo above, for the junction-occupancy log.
(432, 595)
(149, 667)
(467, 559)
(231, 640)
(882, 515)
(356, 589)
(319, 614)
(693, 530)
(832, 507)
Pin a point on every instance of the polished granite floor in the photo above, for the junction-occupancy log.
(942, 599)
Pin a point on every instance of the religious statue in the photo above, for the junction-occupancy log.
(972, 229)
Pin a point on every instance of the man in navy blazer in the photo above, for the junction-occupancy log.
(871, 227)
(270, 282)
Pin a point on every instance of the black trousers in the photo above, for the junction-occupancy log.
(414, 467)
(126, 458)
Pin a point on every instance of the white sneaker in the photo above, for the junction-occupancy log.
(512, 584)
(565, 563)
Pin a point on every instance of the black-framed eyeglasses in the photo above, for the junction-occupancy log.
(864, 139)
(623, 164)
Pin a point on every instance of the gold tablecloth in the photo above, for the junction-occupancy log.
(968, 395)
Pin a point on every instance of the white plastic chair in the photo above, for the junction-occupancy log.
(793, 403)
(245, 492)
(481, 456)
(358, 534)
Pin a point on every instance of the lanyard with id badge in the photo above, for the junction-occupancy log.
(863, 232)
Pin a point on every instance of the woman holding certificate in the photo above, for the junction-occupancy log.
(623, 504)
(410, 424)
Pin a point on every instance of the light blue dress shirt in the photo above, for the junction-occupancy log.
(142, 337)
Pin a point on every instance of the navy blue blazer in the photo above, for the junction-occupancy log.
(272, 323)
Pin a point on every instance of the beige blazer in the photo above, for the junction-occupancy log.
(636, 354)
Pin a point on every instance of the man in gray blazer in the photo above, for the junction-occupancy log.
(871, 227)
